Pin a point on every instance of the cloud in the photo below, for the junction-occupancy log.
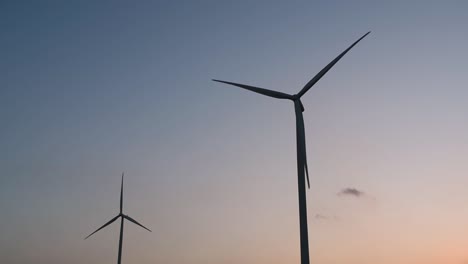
(351, 192)
(320, 217)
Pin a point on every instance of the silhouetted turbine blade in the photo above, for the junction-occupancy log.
(106, 224)
(302, 146)
(304, 149)
(135, 222)
(306, 168)
(263, 91)
(121, 194)
(327, 68)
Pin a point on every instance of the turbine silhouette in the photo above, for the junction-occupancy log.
(302, 170)
(122, 217)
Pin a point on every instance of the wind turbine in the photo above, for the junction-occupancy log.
(122, 217)
(302, 170)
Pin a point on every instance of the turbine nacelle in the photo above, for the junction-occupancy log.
(297, 100)
(295, 97)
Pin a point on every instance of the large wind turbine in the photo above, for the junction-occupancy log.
(302, 170)
(122, 217)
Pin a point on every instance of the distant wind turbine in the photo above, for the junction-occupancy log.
(302, 170)
(122, 217)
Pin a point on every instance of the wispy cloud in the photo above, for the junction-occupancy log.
(351, 192)
(321, 217)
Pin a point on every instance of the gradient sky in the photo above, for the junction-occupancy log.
(93, 88)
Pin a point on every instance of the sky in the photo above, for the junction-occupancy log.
(93, 88)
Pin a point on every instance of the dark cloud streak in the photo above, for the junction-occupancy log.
(351, 192)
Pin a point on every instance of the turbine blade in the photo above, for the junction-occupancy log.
(263, 91)
(303, 149)
(135, 222)
(328, 67)
(301, 143)
(119, 258)
(121, 194)
(106, 224)
(305, 159)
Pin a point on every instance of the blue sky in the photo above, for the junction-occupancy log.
(93, 88)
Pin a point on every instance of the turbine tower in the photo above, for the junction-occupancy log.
(302, 170)
(122, 217)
